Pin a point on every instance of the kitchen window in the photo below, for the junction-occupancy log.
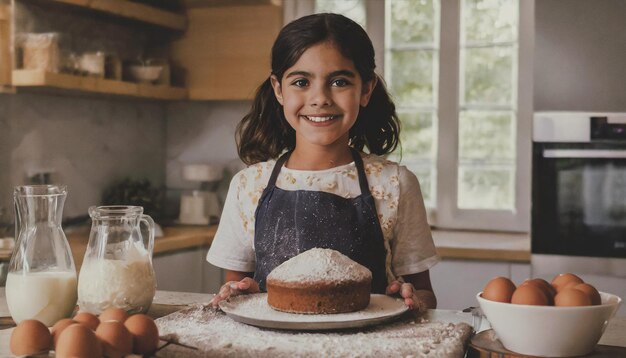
(460, 73)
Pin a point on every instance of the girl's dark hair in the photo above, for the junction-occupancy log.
(264, 133)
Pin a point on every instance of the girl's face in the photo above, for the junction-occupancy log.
(321, 95)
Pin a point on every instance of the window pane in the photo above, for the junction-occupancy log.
(413, 21)
(354, 9)
(482, 187)
(490, 20)
(411, 77)
(487, 136)
(418, 137)
(488, 75)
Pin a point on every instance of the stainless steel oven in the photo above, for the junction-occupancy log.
(579, 193)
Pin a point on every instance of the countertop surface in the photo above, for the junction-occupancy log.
(463, 245)
(166, 302)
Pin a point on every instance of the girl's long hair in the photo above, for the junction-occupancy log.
(264, 133)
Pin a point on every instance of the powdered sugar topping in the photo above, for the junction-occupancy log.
(320, 264)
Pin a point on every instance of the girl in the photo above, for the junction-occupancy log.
(322, 105)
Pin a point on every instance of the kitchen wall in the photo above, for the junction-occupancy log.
(580, 52)
(87, 143)
(201, 132)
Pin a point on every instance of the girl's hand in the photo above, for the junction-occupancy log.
(235, 288)
(412, 298)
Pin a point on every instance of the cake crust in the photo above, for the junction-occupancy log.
(318, 297)
(319, 281)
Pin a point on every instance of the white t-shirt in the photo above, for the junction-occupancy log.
(396, 192)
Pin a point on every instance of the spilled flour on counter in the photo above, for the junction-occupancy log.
(216, 335)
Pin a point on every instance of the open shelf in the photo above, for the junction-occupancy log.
(50, 80)
(134, 11)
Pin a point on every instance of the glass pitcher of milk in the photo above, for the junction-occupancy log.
(41, 283)
(117, 269)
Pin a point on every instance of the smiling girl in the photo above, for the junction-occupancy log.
(313, 141)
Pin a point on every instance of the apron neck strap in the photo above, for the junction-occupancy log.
(358, 162)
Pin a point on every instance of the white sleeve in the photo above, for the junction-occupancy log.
(412, 248)
(231, 249)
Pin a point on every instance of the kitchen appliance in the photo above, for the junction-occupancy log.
(579, 197)
(202, 206)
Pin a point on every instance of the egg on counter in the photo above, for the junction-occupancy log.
(88, 319)
(499, 289)
(546, 287)
(30, 337)
(560, 281)
(145, 333)
(113, 314)
(59, 327)
(529, 295)
(116, 340)
(571, 297)
(591, 291)
(78, 341)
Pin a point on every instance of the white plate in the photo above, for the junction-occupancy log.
(254, 310)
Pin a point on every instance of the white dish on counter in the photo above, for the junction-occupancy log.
(254, 310)
(549, 331)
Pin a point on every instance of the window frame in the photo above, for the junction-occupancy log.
(447, 215)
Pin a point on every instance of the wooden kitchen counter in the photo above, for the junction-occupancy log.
(174, 238)
(482, 245)
(463, 245)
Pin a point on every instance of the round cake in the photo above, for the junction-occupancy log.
(319, 281)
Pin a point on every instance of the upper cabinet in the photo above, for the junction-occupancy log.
(155, 49)
(226, 48)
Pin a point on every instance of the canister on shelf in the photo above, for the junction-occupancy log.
(40, 51)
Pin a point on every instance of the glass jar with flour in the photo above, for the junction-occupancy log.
(117, 269)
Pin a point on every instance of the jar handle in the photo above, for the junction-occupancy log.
(150, 224)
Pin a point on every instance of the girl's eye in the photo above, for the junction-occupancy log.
(340, 82)
(300, 83)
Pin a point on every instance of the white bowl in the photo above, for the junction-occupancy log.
(146, 74)
(549, 331)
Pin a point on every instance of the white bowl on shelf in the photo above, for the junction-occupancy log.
(549, 331)
(145, 74)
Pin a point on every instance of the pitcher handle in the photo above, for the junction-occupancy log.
(150, 224)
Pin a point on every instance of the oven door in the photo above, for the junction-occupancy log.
(579, 199)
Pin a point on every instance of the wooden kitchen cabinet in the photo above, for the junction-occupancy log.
(85, 25)
(226, 49)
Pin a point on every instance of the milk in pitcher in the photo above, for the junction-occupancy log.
(47, 296)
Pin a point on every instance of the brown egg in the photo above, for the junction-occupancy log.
(563, 279)
(145, 333)
(78, 341)
(30, 337)
(568, 297)
(529, 295)
(115, 338)
(547, 288)
(59, 327)
(88, 319)
(499, 289)
(591, 291)
(113, 314)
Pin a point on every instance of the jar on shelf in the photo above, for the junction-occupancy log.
(40, 51)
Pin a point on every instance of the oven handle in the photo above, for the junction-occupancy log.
(583, 153)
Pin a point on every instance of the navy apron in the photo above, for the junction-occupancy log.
(291, 222)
